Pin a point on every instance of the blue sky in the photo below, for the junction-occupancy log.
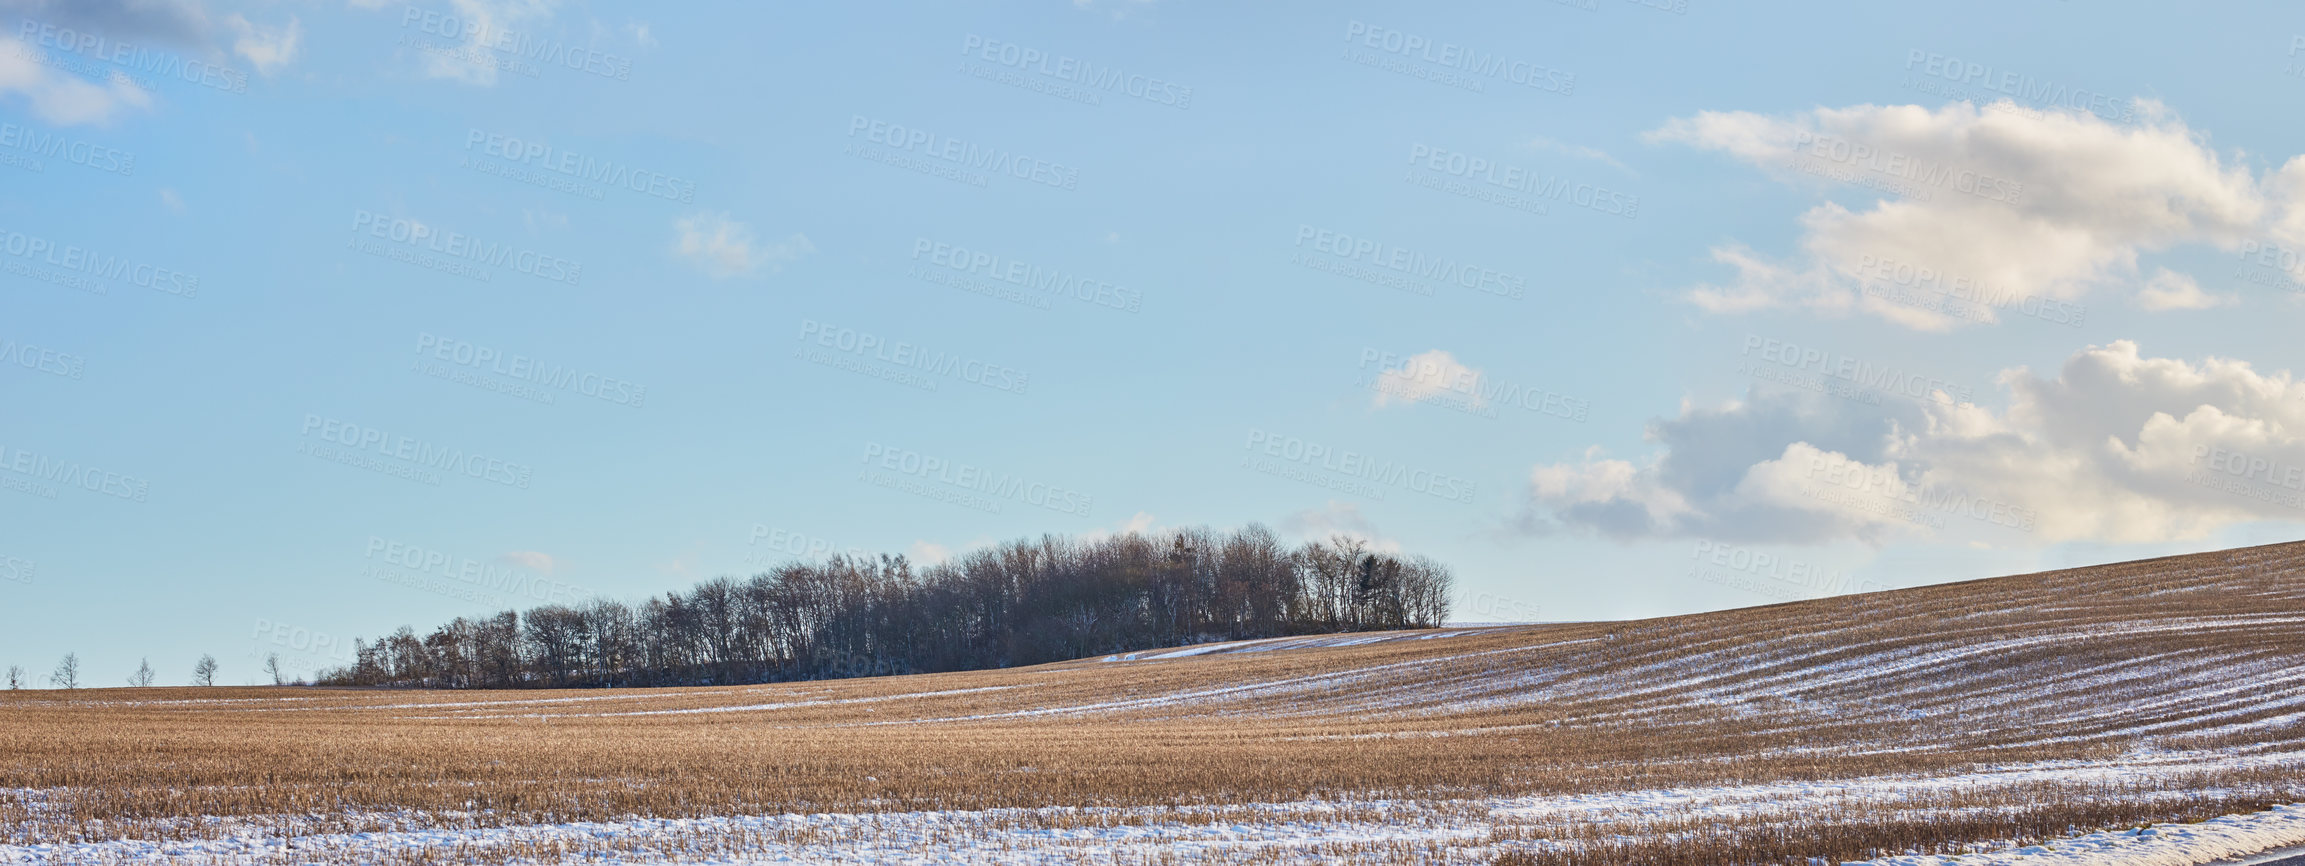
(322, 318)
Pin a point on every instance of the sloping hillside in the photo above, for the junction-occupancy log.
(1987, 712)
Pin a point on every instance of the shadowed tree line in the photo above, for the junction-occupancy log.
(1024, 602)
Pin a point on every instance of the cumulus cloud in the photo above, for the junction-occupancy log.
(267, 49)
(62, 99)
(2006, 203)
(724, 247)
(1704, 481)
(2117, 447)
(2169, 290)
(1426, 375)
(2288, 187)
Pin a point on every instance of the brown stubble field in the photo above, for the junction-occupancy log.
(2085, 699)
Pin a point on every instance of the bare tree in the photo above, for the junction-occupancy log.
(204, 671)
(15, 677)
(272, 666)
(142, 678)
(67, 673)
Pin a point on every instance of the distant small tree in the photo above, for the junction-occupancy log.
(272, 666)
(204, 671)
(67, 673)
(15, 677)
(143, 676)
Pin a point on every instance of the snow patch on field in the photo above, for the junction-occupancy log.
(2159, 845)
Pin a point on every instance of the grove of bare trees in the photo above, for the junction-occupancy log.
(1023, 602)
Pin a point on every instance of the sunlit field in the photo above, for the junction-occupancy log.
(1961, 717)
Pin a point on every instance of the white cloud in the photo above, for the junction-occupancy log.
(484, 20)
(1141, 522)
(928, 553)
(640, 34)
(2170, 290)
(541, 563)
(725, 248)
(171, 199)
(1425, 375)
(2113, 449)
(1580, 151)
(2054, 204)
(538, 220)
(62, 99)
(266, 49)
(1337, 518)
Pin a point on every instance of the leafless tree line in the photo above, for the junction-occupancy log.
(1024, 602)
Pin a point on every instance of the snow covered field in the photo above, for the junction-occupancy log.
(1293, 832)
(2070, 717)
